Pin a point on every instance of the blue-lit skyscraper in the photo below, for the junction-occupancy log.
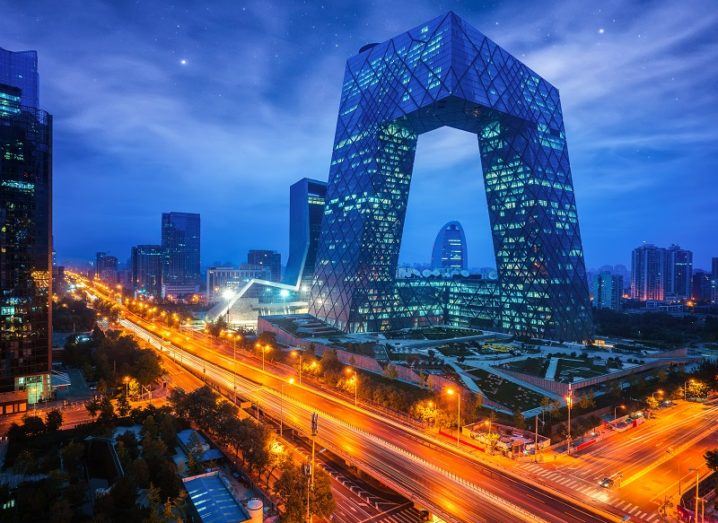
(445, 72)
(306, 209)
(181, 244)
(450, 248)
(19, 69)
(25, 235)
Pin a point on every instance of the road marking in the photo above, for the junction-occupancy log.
(635, 508)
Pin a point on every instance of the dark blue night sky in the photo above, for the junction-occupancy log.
(176, 106)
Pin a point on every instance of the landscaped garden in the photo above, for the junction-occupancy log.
(432, 333)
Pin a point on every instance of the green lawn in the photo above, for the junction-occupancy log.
(581, 369)
(531, 366)
(508, 393)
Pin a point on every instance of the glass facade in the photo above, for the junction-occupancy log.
(306, 209)
(272, 260)
(19, 69)
(450, 248)
(180, 242)
(147, 262)
(447, 73)
(25, 229)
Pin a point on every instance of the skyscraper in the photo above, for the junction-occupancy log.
(445, 72)
(679, 273)
(607, 290)
(714, 280)
(648, 273)
(147, 263)
(25, 235)
(181, 245)
(450, 248)
(269, 259)
(106, 267)
(306, 209)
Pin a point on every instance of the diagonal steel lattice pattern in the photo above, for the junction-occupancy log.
(447, 73)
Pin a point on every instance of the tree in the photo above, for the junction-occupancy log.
(651, 402)
(34, 426)
(391, 372)
(72, 456)
(711, 457)
(292, 487)
(147, 368)
(53, 420)
(519, 421)
(61, 510)
(93, 406)
(256, 448)
(123, 405)
(107, 411)
(196, 454)
(697, 389)
(322, 502)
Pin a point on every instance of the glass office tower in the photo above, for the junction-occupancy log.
(272, 260)
(147, 262)
(450, 248)
(25, 235)
(306, 209)
(445, 72)
(180, 242)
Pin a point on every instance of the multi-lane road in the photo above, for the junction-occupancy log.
(449, 483)
(649, 463)
(436, 475)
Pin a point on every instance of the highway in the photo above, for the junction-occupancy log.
(455, 487)
(434, 474)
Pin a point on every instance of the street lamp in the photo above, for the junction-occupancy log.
(698, 480)
(265, 349)
(281, 406)
(126, 380)
(234, 363)
(569, 404)
(450, 391)
(615, 410)
(354, 381)
(298, 354)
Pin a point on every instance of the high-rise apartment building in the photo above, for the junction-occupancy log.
(607, 290)
(147, 263)
(106, 267)
(648, 273)
(714, 280)
(446, 73)
(450, 250)
(306, 209)
(181, 245)
(25, 235)
(661, 274)
(679, 273)
(702, 289)
(272, 260)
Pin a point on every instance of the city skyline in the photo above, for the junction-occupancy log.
(627, 177)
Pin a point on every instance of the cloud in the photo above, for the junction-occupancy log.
(255, 107)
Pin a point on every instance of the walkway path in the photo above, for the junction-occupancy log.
(465, 377)
(551, 370)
